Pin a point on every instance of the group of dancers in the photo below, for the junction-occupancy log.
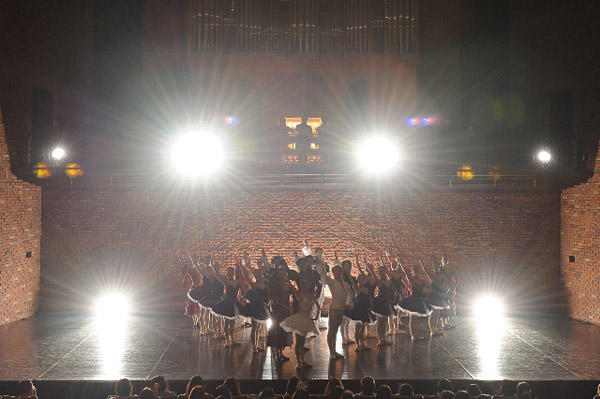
(290, 301)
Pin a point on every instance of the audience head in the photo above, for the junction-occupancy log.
(507, 387)
(194, 380)
(147, 393)
(160, 383)
(406, 390)
(266, 393)
(523, 390)
(367, 385)
(446, 394)
(332, 383)
(474, 390)
(484, 396)
(444, 385)
(347, 394)
(123, 387)
(25, 389)
(292, 384)
(384, 392)
(336, 393)
(197, 392)
(462, 394)
(300, 394)
(231, 384)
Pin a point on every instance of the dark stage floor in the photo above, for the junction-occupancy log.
(71, 349)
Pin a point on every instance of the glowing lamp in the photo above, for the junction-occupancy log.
(198, 154)
(111, 307)
(58, 153)
(377, 155)
(41, 170)
(465, 172)
(494, 173)
(544, 156)
(488, 307)
(73, 170)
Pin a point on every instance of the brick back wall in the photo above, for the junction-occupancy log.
(129, 238)
(580, 238)
(20, 231)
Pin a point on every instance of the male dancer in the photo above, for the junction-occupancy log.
(340, 290)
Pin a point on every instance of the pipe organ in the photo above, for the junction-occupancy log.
(304, 26)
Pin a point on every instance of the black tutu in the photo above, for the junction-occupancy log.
(383, 307)
(437, 302)
(227, 308)
(256, 308)
(361, 312)
(197, 293)
(415, 306)
(278, 337)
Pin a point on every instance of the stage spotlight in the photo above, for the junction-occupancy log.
(111, 308)
(488, 308)
(544, 156)
(377, 155)
(58, 153)
(198, 154)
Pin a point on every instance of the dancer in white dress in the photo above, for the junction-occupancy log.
(302, 323)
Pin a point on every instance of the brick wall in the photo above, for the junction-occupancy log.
(128, 238)
(580, 239)
(20, 232)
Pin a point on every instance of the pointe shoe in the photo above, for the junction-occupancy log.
(414, 338)
(365, 348)
(383, 343)
(235, 343)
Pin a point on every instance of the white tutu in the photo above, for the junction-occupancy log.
(300, 324)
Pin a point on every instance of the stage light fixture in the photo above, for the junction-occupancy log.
(111, 307)
(377, 154)
(544, 156)
(488, 308)
(58, 153)
(198, 153)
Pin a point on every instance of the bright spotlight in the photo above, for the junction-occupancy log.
(377, 155)
(488, 308)
(198, 154)
(544, 156)
(112, 307)
(58, 153)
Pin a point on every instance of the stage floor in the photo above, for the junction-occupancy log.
(52, 348)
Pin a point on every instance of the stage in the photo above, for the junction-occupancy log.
(53, 348)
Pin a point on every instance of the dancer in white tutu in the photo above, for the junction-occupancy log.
(302, 323)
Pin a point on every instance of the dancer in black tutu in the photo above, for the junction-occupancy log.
(414, 305)
(228, 307)
(436, 300)
(206, 296)
(383, 305)
(256, 308)
(361, 313)
(280, 290)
